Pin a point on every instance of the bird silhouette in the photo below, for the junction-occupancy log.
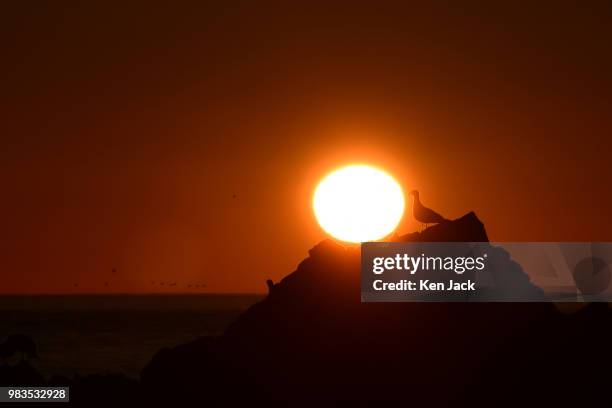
(423, 214)
(270, 284)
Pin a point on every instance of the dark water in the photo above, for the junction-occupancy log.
(102, 334)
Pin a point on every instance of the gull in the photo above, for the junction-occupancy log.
(423, 214)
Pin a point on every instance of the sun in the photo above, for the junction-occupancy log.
(358, 203)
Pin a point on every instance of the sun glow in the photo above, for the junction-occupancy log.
(358, 203)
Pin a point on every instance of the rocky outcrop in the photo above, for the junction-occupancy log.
(312, 340)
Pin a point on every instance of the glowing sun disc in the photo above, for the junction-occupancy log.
(358, 203)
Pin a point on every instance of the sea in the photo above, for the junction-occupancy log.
(103, 334)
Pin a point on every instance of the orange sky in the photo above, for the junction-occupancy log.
(126, 130)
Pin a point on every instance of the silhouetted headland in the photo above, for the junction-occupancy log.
(311, 340)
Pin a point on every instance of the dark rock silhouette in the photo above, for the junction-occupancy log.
(312, 340)
(101, 390)
(21, 374)
(90, 390)
(18, 345)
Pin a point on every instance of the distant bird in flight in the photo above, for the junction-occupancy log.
(423, 214)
